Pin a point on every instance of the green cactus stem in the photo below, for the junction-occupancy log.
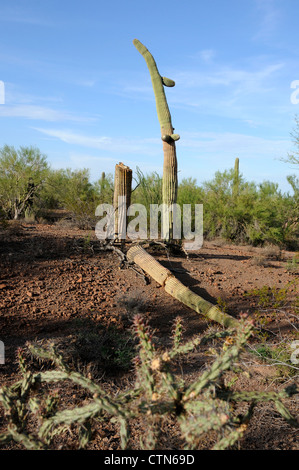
(170, 178)
(169, 138)
(168, 82)
(236, 180)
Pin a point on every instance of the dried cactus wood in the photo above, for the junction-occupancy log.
(122, 198)
(170, 179)
(176, 289)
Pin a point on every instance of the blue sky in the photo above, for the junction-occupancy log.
(76, 87)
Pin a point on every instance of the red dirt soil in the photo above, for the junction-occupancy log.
(54, 277)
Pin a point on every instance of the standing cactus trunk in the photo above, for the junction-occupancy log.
(236, 180)
(122, 199)
(170, 178)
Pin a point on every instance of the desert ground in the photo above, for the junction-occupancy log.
(56, 284)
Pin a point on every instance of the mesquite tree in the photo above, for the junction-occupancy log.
(22, 174)
(170, 178)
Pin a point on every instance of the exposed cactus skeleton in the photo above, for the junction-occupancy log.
(170, 179)
(122, 198)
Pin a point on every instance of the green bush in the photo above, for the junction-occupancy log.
(255, 214)
(72, 191)
(22, 175)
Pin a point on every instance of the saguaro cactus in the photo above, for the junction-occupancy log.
(122, 198)
(236, 179)
(178, 290)
(170, 180)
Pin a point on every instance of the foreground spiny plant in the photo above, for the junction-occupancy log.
(157, 394)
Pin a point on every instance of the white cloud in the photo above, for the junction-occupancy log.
(231, 90)
(234, 144)
(269, 19)
(250, 80)
(40, 113)
(120, 145)
(206, 55)
(88, 83)
(96, 162)
(19, 15)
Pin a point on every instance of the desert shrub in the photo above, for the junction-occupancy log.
(189, 192)
(72, 191)
(23, 173)
(148, 189)
(107, 348)
(254, 214)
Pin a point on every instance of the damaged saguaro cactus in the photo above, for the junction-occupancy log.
(122, 199)
(170, 179)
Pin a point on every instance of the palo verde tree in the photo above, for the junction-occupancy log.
(170, 178)
(22, 174)
(293, 158)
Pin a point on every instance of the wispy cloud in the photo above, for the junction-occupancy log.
(219, 86)
(269, 16)
(16, 97)
(205, 55)
(250, 146)
(97, 163)
(21, 16)
(228, 76)
(110, 144)
(240, 92)
(40, 113)
(88, 83)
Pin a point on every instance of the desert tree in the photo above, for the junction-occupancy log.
(23, 171)
(293, 157)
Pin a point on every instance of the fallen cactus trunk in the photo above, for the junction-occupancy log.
(176, 289)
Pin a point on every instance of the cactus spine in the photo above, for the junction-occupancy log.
(170, 179)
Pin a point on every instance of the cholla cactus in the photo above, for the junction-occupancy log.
(157, 393)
